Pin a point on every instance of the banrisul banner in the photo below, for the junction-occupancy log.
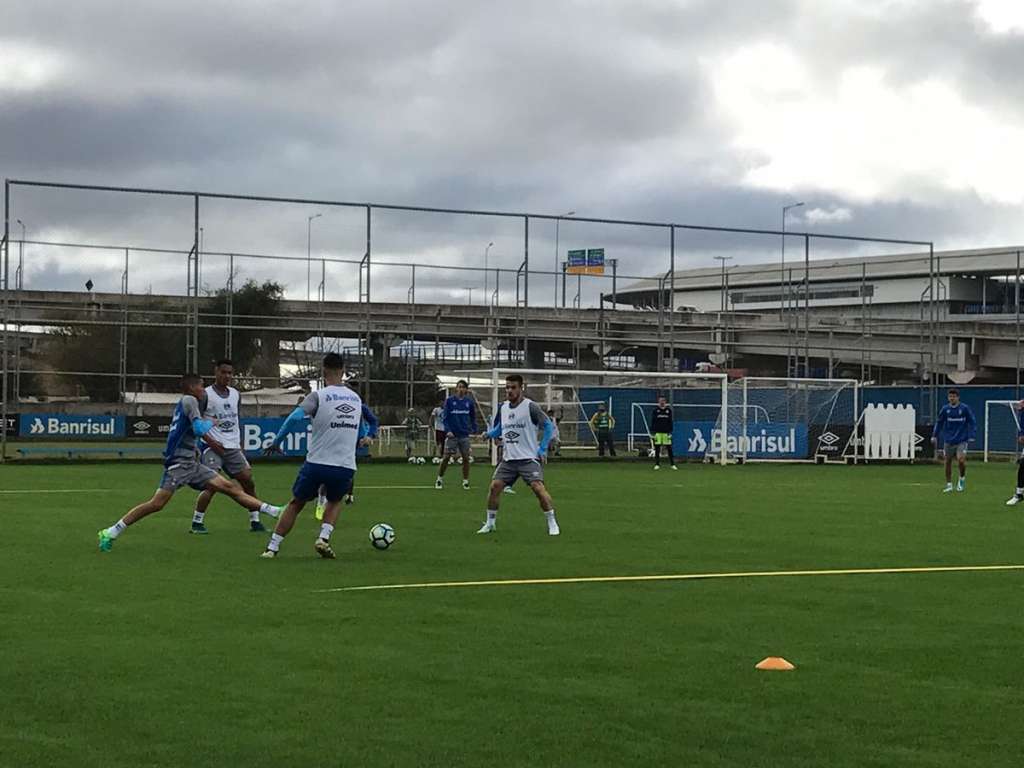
(64, 426)
(258, 434)
(695, 439)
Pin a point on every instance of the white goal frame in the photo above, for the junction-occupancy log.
(1016, 415)
(782, 381)
(498, 377)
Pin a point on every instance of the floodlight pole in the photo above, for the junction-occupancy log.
(807, 306)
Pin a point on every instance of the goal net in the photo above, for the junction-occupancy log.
(1002, 425)
(790, 419)
(576, 397)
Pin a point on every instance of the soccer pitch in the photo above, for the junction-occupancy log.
(179, 650)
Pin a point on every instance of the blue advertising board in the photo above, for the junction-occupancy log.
(696, 439)
(64, 426)
(257, 434)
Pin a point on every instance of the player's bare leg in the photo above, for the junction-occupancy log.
(546, 505)
(235, 492)
(155, 504)
(949, 472)
(465, 469)
(439, 483)
(493, 495)
(961, 460)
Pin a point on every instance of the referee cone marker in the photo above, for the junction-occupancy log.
(774, 663)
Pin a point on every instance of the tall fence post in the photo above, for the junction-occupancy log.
(6, 304)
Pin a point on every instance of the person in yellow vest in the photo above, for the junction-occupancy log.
(601, 424)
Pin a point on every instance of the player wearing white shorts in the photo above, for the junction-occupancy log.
(516, 423)
(223, 407)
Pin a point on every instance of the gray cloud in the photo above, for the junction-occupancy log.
(602, 108)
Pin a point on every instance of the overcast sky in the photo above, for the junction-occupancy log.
(887, 117)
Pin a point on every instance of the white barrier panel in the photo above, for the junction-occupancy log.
(889, 431)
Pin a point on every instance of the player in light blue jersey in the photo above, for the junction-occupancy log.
(334, 411)
(954, 428)
(182, 465)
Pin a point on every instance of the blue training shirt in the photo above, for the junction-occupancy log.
(460, 416)
(956, 424)
(186, 426)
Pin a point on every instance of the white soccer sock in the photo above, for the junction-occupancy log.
(492, 515)
(325, 531)
(321, 500)
(269, 509)
(117, 528)
(1020, 491)
(275, 542)
(254, 516)
(550, 515)
(197, 516)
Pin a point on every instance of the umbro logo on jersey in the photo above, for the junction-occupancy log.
(345, 408)
(512, 436)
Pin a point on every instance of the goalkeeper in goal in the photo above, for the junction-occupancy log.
(661, 432)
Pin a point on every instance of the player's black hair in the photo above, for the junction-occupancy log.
(189, 379)
(953, 391)
(334, 362)
(463, 382)
(515, 378)
(224, 361)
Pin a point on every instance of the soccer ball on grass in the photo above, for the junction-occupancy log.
(382, 536)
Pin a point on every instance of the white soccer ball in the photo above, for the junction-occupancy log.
(471, 459)
(435, 460)
(458, 460)
(421, 460)
(412, 460)
(382, 536)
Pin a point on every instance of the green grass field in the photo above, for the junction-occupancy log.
(177, 650)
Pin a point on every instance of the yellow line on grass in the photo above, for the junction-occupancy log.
(679, 577)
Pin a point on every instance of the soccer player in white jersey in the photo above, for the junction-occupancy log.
(516, 423)
(223, 407)
(335, 412)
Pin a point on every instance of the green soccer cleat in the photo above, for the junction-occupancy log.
(323, 548)
(106, 543)
(268, 554)
(320, 508)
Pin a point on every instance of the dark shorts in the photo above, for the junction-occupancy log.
(183, 473)
(233, 462)
(335, 480)
(439, 436)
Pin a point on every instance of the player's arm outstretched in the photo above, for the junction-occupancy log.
(291, 423)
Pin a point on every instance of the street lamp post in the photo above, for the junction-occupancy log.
(782, 270)
(487, 253)
(723, 259)
(557, 222)
(309, 240)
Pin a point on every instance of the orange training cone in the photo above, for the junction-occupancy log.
(774, 663)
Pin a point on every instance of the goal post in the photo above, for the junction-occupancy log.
(1002, 425)
(574, 395)
(792, 419)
